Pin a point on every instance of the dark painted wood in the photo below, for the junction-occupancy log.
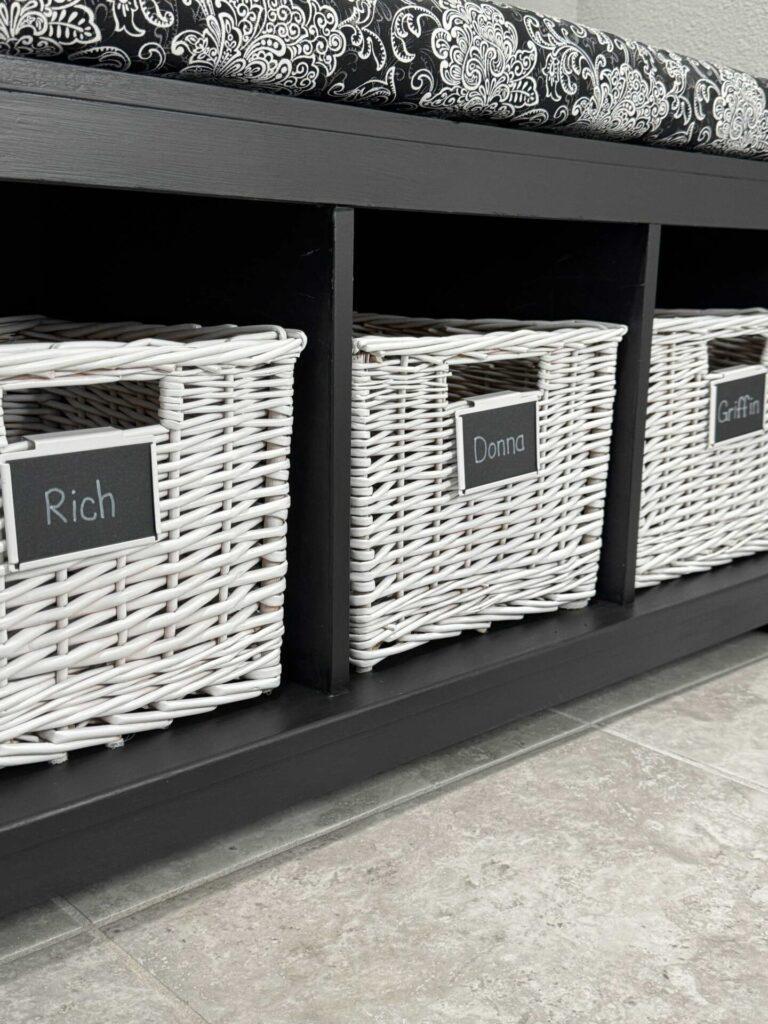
(107, 810)
(99, 128)
(618, 564)
(463, 266)
(98, 84)
(316, 646)
(703, 268)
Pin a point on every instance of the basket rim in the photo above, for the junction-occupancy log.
(669, 324)
(46, 334)
(460, 337)
(724, 311)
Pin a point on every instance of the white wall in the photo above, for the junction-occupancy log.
(557, 8)
(733, 32)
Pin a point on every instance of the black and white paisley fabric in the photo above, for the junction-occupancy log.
(463, 59)
(289, 47)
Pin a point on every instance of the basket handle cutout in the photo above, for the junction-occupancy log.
(477, 379)
(731, 353)
(121, 404)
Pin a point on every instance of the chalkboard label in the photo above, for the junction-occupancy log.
(79, 492)
(737, 405)
(497, 439)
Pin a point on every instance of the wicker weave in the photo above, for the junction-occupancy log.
(701, 506)
(428, 563)
(105, 646)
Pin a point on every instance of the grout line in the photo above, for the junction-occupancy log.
(74, 912)
(580, 727)
(310, 838)
(19, 954)
(82, 924)
(94, 926)
(656, 698)
(709, 769)
(71, 911)
(315, 840)
(141, 973)
(570, 716)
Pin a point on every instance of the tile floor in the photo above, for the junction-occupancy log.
(604, 862)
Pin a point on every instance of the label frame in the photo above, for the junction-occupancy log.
(72, 442)
(483, 403)
(723, 377)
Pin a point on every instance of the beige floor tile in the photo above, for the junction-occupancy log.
(723, 724)
(85, 980)
(160, 879)
(596, 882)
(34, 928)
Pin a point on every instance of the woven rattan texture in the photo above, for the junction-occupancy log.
(106, 646)
(428, 563)
(701, 506)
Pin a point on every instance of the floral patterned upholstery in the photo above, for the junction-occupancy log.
(455, 58)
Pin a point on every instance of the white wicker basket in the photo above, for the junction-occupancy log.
(110, 645)
(702, 506)
(427, 562)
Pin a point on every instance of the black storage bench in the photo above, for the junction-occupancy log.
(146, 197)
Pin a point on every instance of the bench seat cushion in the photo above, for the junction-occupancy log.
(461, 59)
